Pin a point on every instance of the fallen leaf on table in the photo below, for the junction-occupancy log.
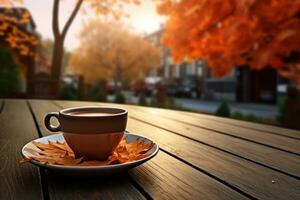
(58, 153)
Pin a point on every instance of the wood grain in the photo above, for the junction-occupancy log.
(164, 177)
(277, 141)
(256, 152)
(60, 187)
(251, 125)
(253, 151)
(246, 176)
(284, 143)
(256, 126)
(251, 178)
(112, 187)
(17, 181)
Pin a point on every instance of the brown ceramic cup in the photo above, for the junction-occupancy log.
(93, 132)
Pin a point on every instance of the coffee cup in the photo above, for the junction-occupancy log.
(93, 131)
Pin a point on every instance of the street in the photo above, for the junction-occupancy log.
(259, 110)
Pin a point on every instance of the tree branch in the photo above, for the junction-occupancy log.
(55, 23)
(71, 18)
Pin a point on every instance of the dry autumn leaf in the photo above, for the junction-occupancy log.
(58, 153)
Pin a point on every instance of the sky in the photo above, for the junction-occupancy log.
(143, 19)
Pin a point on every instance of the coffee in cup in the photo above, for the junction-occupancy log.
(93, 131)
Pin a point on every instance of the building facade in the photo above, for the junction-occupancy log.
(242, 85)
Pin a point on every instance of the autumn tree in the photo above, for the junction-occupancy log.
(13, 31)
(258, 33)
(109, 52)
(108, 8)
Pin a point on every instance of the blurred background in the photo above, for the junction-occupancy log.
(180, 55)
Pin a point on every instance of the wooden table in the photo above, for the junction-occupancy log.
(201, 157)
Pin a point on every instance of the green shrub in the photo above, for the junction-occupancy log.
(96, 92)
(223, 110)
(100, 95)
(237, 115)
(249, 117)
(252, 118)
(120, 98)
(68, 92)
(171, 104)
(281, 108)
(152, 103)
(162, 100)
(9, 73)
(142, 100)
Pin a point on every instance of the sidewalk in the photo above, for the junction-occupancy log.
(260, 110)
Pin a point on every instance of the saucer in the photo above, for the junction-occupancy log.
(89, 170)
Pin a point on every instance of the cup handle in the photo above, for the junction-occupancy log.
(49, 126)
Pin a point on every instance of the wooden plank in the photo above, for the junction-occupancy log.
(159, 177)
(256, 126)
(251, 125)
(89, 188)
(253, 151)
(251, 178)
(40, 108)
(17, 128)
(255, 180)
(165, 177)
(276, 141)
(261, 135)
(112, 187)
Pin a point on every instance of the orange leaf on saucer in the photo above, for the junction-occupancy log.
(67, 160)
(57, 153)
(94, 163)
(63, 146)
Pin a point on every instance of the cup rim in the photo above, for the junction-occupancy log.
(119, 111)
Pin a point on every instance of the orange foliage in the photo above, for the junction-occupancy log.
(234, 33)
(13, 33)
(109, 7)
(58, 153)
(10, 2)
(108, 51)
(20, 40)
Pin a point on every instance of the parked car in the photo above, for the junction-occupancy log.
(179, 90)
(186, 88)
(146, 86)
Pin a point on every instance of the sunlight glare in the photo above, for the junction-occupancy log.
(146, 23)
(144, 18)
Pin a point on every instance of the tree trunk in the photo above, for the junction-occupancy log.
(56, 65)
(59, 38)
